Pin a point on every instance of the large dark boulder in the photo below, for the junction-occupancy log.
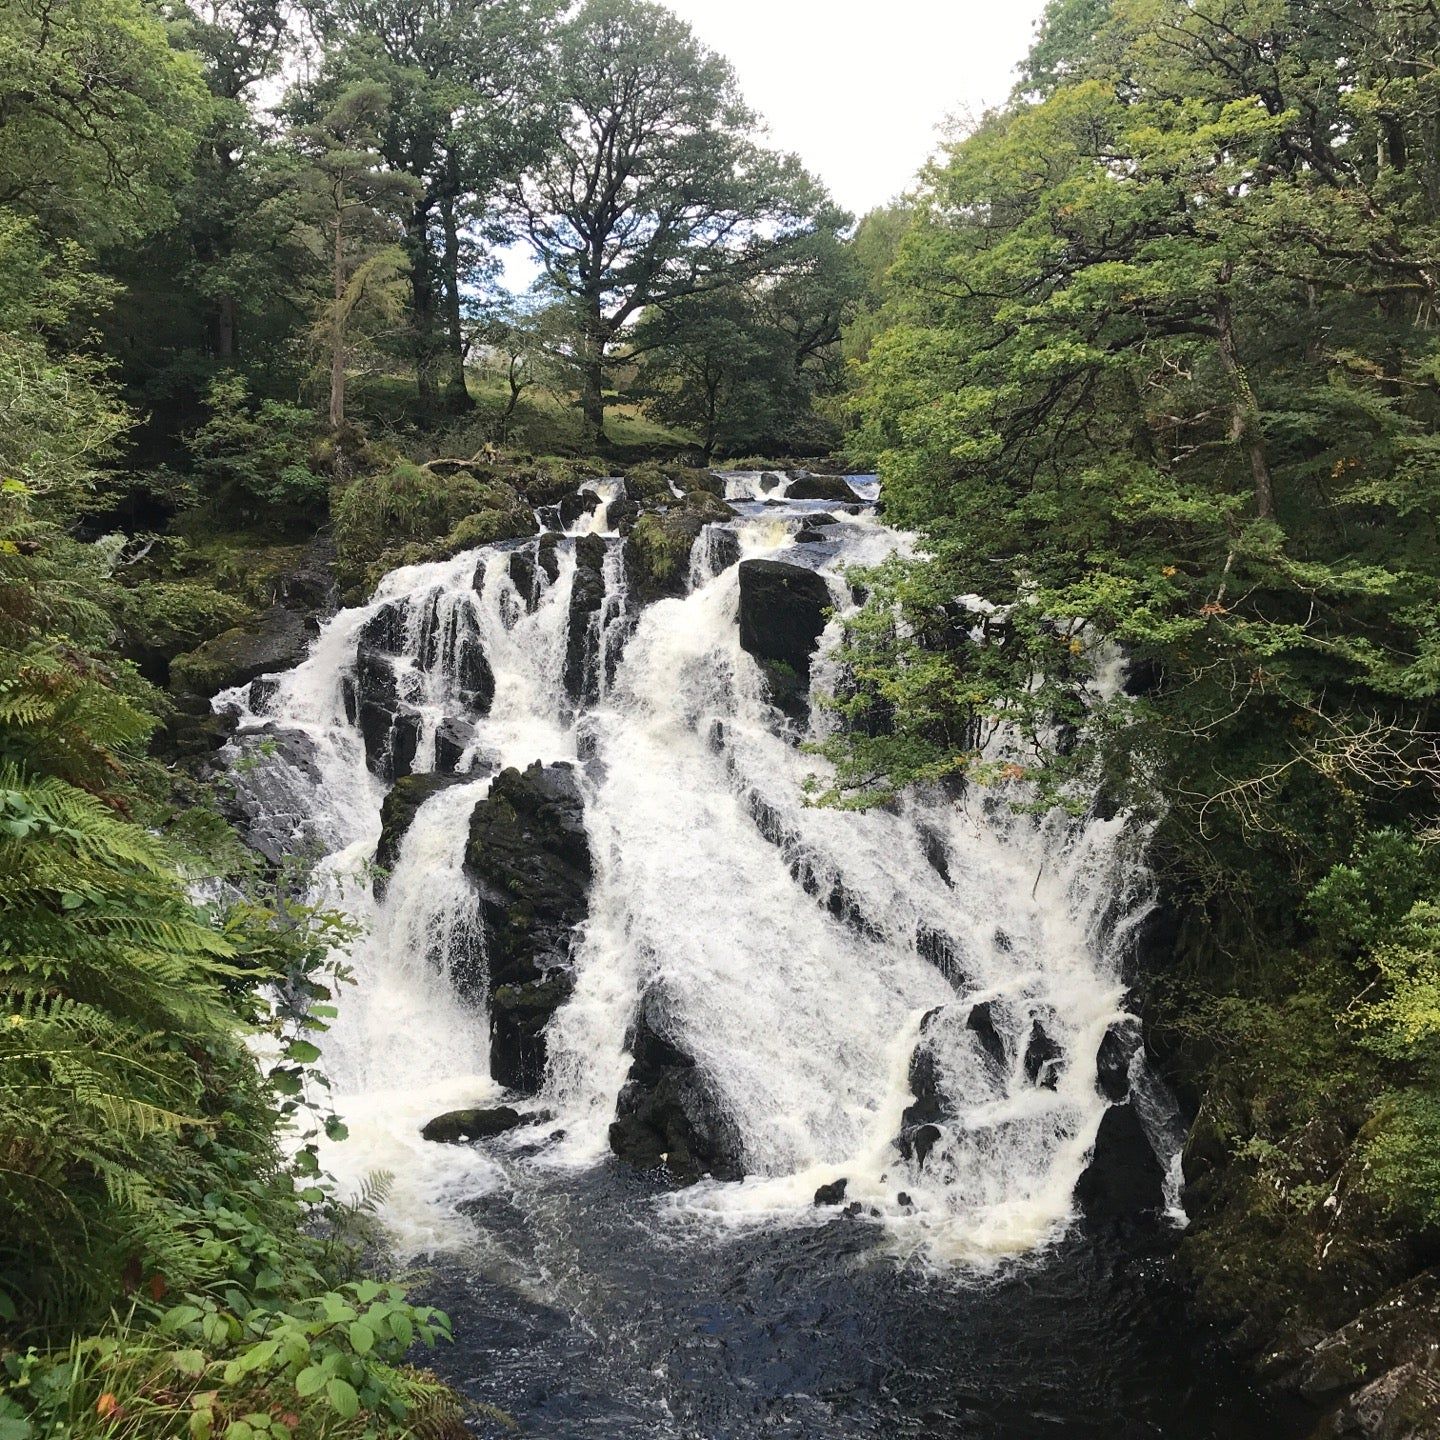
(820, 487)
(1124, 1180)
(782, 614)
(528, 853)
(668, 1117)
(397, 814)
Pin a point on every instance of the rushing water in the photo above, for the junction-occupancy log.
(804, 957)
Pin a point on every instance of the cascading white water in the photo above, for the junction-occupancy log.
(803, 956)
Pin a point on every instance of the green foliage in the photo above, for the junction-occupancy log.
(257, 459)
(1154, 376)
(100, 115)
(657, 187)
(377, 514)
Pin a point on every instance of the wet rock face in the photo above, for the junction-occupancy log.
(269, 804)
(782, 615)
(1123, 1180)
(668, 1117)
(530, 858)
(1112, 1062)
(587, 597)
(397, 814)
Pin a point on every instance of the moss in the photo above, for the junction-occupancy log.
(707, 506)
(377, 512)
(650, 482)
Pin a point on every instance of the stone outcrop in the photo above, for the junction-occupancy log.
(1124, 1180)
(820, 487)
(668, 1117)
(529, 855)
(783, 611)
(587, 597)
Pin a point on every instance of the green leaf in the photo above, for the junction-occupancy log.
(362, 1338)
(309, 1381)
(343, 1399)
(303, 1052)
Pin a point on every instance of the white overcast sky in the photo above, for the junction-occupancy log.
(857, 87)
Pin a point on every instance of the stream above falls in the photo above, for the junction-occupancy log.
(610, 911)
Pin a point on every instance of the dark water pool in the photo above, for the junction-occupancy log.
(580, 1314)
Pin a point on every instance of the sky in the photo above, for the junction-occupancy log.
(857, 87)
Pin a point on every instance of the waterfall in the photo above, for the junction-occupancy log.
(910, 999)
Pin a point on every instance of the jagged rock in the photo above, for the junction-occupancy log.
(271, 804)
(397, 814)
(918, 1143)
(1112, 1061)
(262, 691)
(724, 548)
(904, 1201)
(705, 480)
(452, 739)
(667, 1117)
(1042, 1058)
(939, 949)
(528, 853)
(458, 1127)
(275, 640)
(1383, 1368)
(1123, 1180)
(808, 535)
(982, 1021)
(820, 487)
(385, 630)
(587, 595)
(782, 615)
(831, 1194)
(576, 504)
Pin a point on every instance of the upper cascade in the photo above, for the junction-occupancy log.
(610, 896)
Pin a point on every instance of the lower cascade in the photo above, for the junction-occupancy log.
(566, 806)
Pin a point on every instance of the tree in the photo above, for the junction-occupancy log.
(743, 366)
(466, 81)
(97, 117)
(348, 202)
(656, 188)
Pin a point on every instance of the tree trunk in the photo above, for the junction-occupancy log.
(422, 305)
(1244, 413)
(457, 395)
(337, 328)
(222, 329)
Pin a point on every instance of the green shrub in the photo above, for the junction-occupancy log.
(257, 458)
(381, 511)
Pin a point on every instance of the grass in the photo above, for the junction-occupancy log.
(543, 423)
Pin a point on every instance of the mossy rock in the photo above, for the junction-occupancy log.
(705, 481)
(550, 478)
(707, 506)
(276, 640)
(650, 483)
(408, 503)
(657, 552)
